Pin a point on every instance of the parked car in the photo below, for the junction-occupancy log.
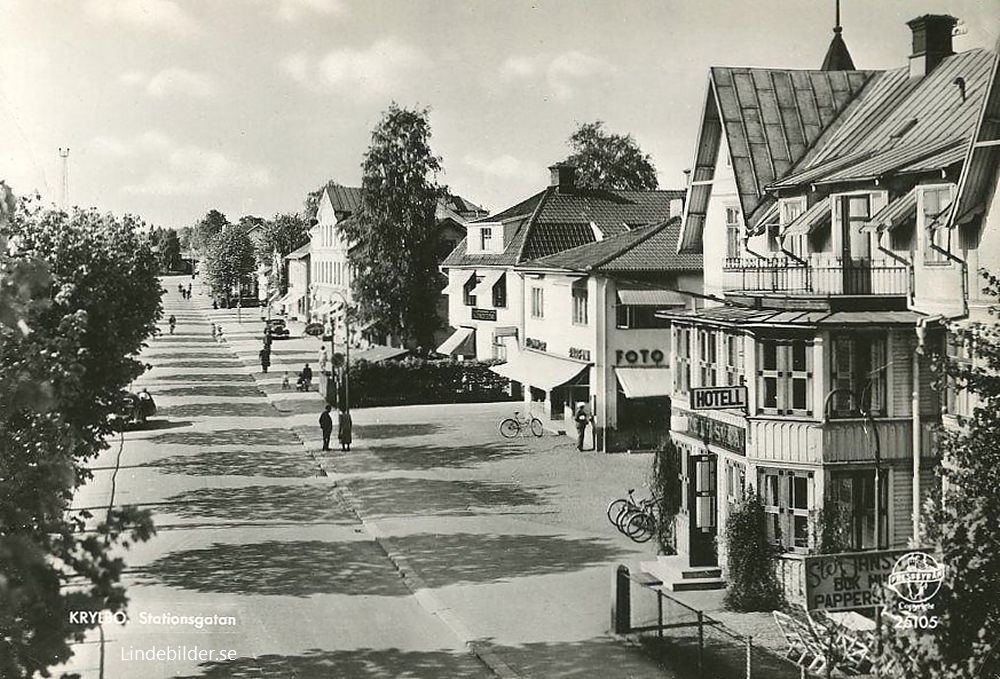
(133, 408)
(279, 329)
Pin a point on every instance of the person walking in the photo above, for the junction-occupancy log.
(172, 321)
(265, 359)
(581, 419)
(344, 427)
(324, 360)
(326, 426)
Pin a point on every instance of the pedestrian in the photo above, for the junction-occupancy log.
(189, 291)
(305, 379)
(285, 384)
(344, 427)
(323, 359)
(265, 359)
(172, 321)
(214, 332)
(215, 304)
(581, 419)
(326, 426)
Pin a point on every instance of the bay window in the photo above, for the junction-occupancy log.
(784, 377)
(858, 367)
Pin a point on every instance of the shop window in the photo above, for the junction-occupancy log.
(958, 400)
(580, 300)
(858, 367)
(853, 493)
(936, 201)
(682, 354)
(732, 232)
(500, 293)
(733, 365)
(784, 377)
(707, 358)
(470, 285)
(788, 499)
(537, 302)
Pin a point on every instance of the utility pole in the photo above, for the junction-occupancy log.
(64, 154)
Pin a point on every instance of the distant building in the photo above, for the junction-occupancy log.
(295, 303)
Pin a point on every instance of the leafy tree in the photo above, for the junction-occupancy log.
(231, 263)
(168, 245)
(211, 225)
(751, 559)
(962, 524)
(610, 161)
(78, 297)
(395, 259)
(282, 234)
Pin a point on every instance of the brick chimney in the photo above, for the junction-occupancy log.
(563, 176)
(931, 42)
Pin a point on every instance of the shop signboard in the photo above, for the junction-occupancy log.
(844, 582)
(719, 398)
(484, 314)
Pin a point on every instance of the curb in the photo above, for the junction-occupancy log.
(480, 648)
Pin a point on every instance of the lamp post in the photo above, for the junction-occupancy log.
(347, 351)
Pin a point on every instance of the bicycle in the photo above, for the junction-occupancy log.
(512, 427)
(634, 519)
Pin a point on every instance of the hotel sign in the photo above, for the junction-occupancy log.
(719, 398)
(484, 314)
(722, 434)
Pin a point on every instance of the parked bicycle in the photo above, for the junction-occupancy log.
(519, 425)
(636, 519)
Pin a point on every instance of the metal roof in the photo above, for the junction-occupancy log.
(763, 318)
(982, 167)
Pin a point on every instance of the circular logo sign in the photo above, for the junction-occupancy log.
(314, 329)
(916, 577)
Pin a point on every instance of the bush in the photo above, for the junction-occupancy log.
(420, 381)
(666, 485)
(752, 559)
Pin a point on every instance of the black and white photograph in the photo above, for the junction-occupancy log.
(466, 339)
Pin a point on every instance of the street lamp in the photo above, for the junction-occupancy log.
(347, 351)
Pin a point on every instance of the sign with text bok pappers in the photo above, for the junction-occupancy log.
(718, 398)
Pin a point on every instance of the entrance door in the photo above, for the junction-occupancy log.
(703, 510)
(855, 244)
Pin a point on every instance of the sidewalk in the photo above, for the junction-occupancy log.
(522, 578)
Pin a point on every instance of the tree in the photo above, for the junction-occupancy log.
(78, 298)
(751, 559)
(961, 523)
(282, 234)
(395, 258)
(312, 200)
(168, 246)
(207, 228)
(610, 161)
(230, 262)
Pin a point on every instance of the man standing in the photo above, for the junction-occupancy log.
(581, 419)
(326, 425)
(265, 359)
(344, 427)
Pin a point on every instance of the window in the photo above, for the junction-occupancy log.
(580, 305)
(500, 293)
(733, 232)
(499, 348)
(470, 285)
(537, 303)
(638, 317)
(784, 377)
(958, 401)
(736, 483)
(486, 239)
(707, 358)
(788, 498)
(936, 201)
(858, 368)
(853, 495)
(682, 352)
(791, 210)
(733, 364)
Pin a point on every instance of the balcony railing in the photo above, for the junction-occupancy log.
(827, 276)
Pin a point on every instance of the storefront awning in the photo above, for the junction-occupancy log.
(644, 382)
(485, 286)
(540, 370)
(460, 342)
(505, 331)
(810, 220)
(638, 296)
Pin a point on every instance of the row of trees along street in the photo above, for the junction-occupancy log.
(79, 297)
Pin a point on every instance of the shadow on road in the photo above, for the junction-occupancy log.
(227, 437)
(206, 377)
(394, 431)
(361, 663)
(260, 503)
(221, 390)
(476, 558)
(293, 568)
(427, 457)
(404, 496)
(262, 409)
(224, 362)
(160, 424)
(267, 463)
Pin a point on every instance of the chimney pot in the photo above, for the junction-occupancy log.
(563, 176)
(931, 42)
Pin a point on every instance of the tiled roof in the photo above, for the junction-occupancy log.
(345, 199)
(551, 237)
(462, 206)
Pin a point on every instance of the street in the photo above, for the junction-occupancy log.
(434, 548)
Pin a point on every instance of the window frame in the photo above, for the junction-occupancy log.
(467, 297)
(935, 229)
(485, 239)
(580, 300)
(959, 401)
(682, 359)
(499, 293)
(782, 515)
(784, 375)
(865, 349)
(537, 301)
(734, 225)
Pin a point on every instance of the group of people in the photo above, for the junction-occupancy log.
(344, 427)
(185, 292)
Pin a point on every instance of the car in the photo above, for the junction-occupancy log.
(278, 327)
(132, 408)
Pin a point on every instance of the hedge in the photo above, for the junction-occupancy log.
(419, 381)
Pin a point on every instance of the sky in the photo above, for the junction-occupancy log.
(170, 108)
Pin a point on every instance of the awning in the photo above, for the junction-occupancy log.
(768, 217)
(540, 370)
(505, 331)
(289, 298)
(485, 286)
(642, 296)
(456, 283)
(895, 213)
(644, 382)
(459, 343)
(810, 220)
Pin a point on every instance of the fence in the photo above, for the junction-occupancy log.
(687, 640)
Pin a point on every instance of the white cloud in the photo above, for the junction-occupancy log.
(149, 14)
(179, 169)
(561, 73)
(375, 70)
(171, 81)
(293, 10)
(504, 166)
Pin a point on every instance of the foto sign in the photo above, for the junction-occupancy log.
(718, 398)
(843, 582)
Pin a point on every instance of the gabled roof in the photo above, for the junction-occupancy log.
(981, 170)
(645, 249)
(554, 220)
(299, 253)
(462, 207)
(771, 118)
(344, 199)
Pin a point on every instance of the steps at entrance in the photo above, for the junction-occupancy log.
(677, 576)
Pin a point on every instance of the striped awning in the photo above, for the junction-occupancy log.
(810, 220)
(540, 370)
(644, 382)
(895, 213)
(459, 343)
(484, 287)
(648, 296)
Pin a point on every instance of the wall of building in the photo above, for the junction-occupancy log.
(724, 194)
(460, 315)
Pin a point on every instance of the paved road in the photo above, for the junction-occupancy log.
(432, 549)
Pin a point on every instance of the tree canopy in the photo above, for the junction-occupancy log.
(609, 161)
(282, 234)
(168, 249)
(79, 297)
(230, 262)
(207, 228)
(395, 261)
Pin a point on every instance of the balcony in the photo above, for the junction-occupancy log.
(838, 441)
(821, 276)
